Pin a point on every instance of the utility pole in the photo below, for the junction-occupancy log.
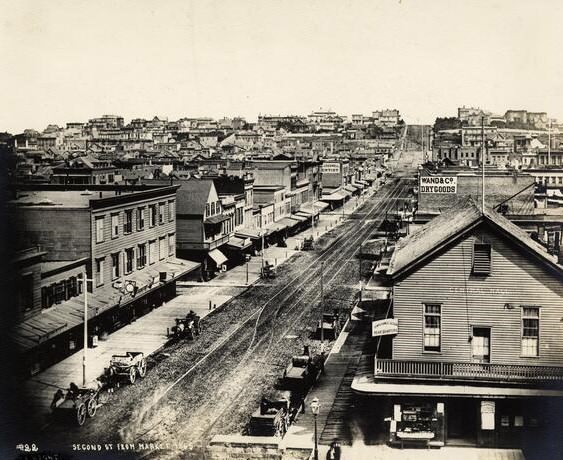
(482, 163)
(85, 348)
(312, 216)
(262, 234)
(360, 271)
(322, 309)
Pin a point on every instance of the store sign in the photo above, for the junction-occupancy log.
(330, 168)
(438, 184)
(388, 326)
(487, 415)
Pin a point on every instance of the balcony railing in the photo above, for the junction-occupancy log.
(466, 371)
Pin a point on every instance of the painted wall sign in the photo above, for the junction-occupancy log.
(438, 184)
(330, 168)
(387, 326)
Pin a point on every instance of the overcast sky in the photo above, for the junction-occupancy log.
(73, 60)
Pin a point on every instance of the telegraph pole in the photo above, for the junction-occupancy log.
(85, 348)
(322, 309)
(549, 143)
(262, 234)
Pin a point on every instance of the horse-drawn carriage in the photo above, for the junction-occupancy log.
(126, 367)
(268, 270)
(187, 327)
(76, 403)
(273, 416)
(308, 244)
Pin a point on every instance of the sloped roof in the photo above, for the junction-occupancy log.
(414, 248)
(192, 195)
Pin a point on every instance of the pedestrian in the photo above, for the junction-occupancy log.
(334, 451)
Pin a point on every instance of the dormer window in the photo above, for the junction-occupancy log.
(481, 259)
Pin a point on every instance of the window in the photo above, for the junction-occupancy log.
(129, 257)
(128, 222)
(481, 344)
(114, 225)
(141, 255)
(162, 250)
(152, 252)
(171, 210)
(99, 272)
(25, 291)
(161, 213)
(140, 219)
(212, 208)
(432, 320)
(207, 209)
(530, 331)
(152, 215)
(99, 229)
(114, 266)
(171, 244)
(481, 259)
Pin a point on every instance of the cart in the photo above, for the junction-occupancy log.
(76, 403)
(127, 367)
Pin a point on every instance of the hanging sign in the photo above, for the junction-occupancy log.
(389, 326)
(438, 184)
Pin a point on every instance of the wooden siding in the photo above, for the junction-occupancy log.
(63, 232)
(515, 279)
(131, 240)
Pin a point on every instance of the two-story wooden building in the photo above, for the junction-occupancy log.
(470, 351)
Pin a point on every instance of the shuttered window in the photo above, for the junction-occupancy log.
(481, 259)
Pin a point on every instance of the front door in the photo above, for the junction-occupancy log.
(481, 344)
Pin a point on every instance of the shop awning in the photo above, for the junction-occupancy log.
(216, 219)
(351, 188)
(288, 222)
(218, 257)
(298, 218)
(276, 227)
(336, 196)
(306, 215)
(321, 205)
(239, 243)
(70, 313)
(358, 185)
(246, 232)
(363, 182)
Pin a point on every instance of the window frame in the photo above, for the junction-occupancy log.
(527, 317)
(102, 229)
(114, 227)
(141, 263)
(115, 257)
(100, 265)
(127, 252)
(171, 244)
(128, 225)
(161, 213)
(141, 218)
(171, 210)
(440, 326)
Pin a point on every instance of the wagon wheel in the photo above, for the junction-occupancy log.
(91, 407)
(142, 368)
(80, 414)
(132, 374)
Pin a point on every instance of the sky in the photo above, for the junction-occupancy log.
(74, 60)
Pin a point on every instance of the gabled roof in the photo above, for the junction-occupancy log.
(452, 224)
(192, 195)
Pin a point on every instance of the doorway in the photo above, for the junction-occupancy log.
(461, 420)
(481, 344)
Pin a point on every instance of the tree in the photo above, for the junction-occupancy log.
(446, 123)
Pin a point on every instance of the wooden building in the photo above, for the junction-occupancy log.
(472, 350)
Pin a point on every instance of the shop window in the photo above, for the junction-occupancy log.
(432, 327)
(140, 219)
(114, 225)
(99, 229)
(128, 222)
(505, 421)
(518, 420)
(481, 259)
(530, 331)
(129, 256)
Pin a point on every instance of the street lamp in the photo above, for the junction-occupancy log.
(315, 406)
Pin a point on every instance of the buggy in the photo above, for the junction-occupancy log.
(127, 367)
(268, 271)
(308, 244)
(273, 416)
(300, 373)
(329, 325)
(76, 403)
(187, 327)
